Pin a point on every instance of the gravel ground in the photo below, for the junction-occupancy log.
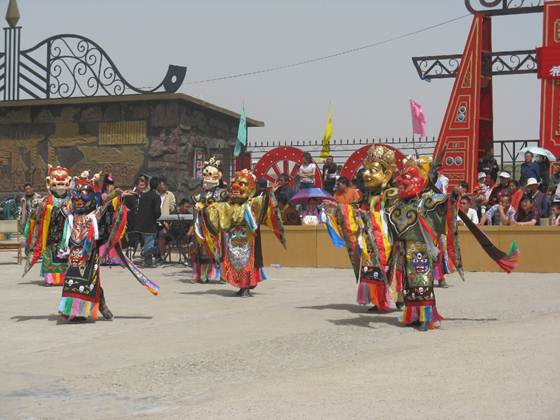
(299, 349)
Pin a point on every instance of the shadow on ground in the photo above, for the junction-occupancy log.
(355, 309)
(216, 292)
(59, 320)
(35, 282)
(366, 321)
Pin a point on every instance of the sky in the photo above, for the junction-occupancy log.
(369, 90)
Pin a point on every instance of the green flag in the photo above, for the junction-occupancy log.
(241, 134)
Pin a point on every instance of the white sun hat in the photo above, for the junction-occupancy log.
(532, 181)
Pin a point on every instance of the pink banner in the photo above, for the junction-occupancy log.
(418, 119)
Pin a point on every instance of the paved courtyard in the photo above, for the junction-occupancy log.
(299, 349)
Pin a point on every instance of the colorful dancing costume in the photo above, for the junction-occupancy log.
(238, 220)
(46, 225)
(207, 263)
(363, 226)
(86, 227)
(422, 228)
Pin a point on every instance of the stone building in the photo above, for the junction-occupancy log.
(167, 134)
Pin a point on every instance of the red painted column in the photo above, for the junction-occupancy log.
(467, 130)
(549, 71)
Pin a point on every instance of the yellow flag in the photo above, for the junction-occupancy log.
(326, 150)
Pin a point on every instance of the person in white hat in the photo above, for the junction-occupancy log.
(482, 183)
(501, 189)
(539, 198)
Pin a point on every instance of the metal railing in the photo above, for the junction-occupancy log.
(506, 152)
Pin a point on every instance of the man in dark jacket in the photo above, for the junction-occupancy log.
(145, 210)
(529, 169)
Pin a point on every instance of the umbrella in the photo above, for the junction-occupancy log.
(539, 151)
(302, 196)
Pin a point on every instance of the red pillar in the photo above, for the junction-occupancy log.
(467, 130)
(549, 57)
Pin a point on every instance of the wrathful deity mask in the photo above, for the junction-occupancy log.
(58, 180)
(243, 186)
(413, 178)
(379, 166)
(211, 174)
(83, 196)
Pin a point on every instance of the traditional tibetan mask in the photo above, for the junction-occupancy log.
(58, 180)
(242, 187)
(379, 166)
(83, 196)
(413, 178)
(211, 173)
(410, 182)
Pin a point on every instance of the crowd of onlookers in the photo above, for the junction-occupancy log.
(497, 199)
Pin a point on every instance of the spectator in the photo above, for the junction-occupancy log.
(329, 174)
(168, 204)
(500, 190)
(529, 169)
(489, 166)
(168, 201)
(544, 172)
(528, 214)
(480, 206)
(539, 198)
(555, 213)
(28, 201)
(482, 186)
(466, 208)
(262, 185)
(555, 177)
(344, 193)
(463, 188)
(290, 215)
(358, 181)
(131, 200)
(516, 194)
(550, 198)
(442, 182)
(307, 172)
(312, 215)
(107, 188)
(147, 214)
(282, 190)
(184, 207)
(500, 214)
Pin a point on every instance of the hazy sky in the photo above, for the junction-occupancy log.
(369, 90)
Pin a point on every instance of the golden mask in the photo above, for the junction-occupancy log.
(379, 166)
(243, 186)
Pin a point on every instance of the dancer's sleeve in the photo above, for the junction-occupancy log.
(438, 223)
(217, 217)
(113, 220)
(268, 211)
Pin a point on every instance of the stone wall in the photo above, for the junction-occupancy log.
(35, 136)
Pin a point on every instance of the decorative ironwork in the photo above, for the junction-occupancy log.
(65, 65)
(69, 65)
(502, 63)
(504, 7)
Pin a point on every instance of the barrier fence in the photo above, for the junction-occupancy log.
(506, 152)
